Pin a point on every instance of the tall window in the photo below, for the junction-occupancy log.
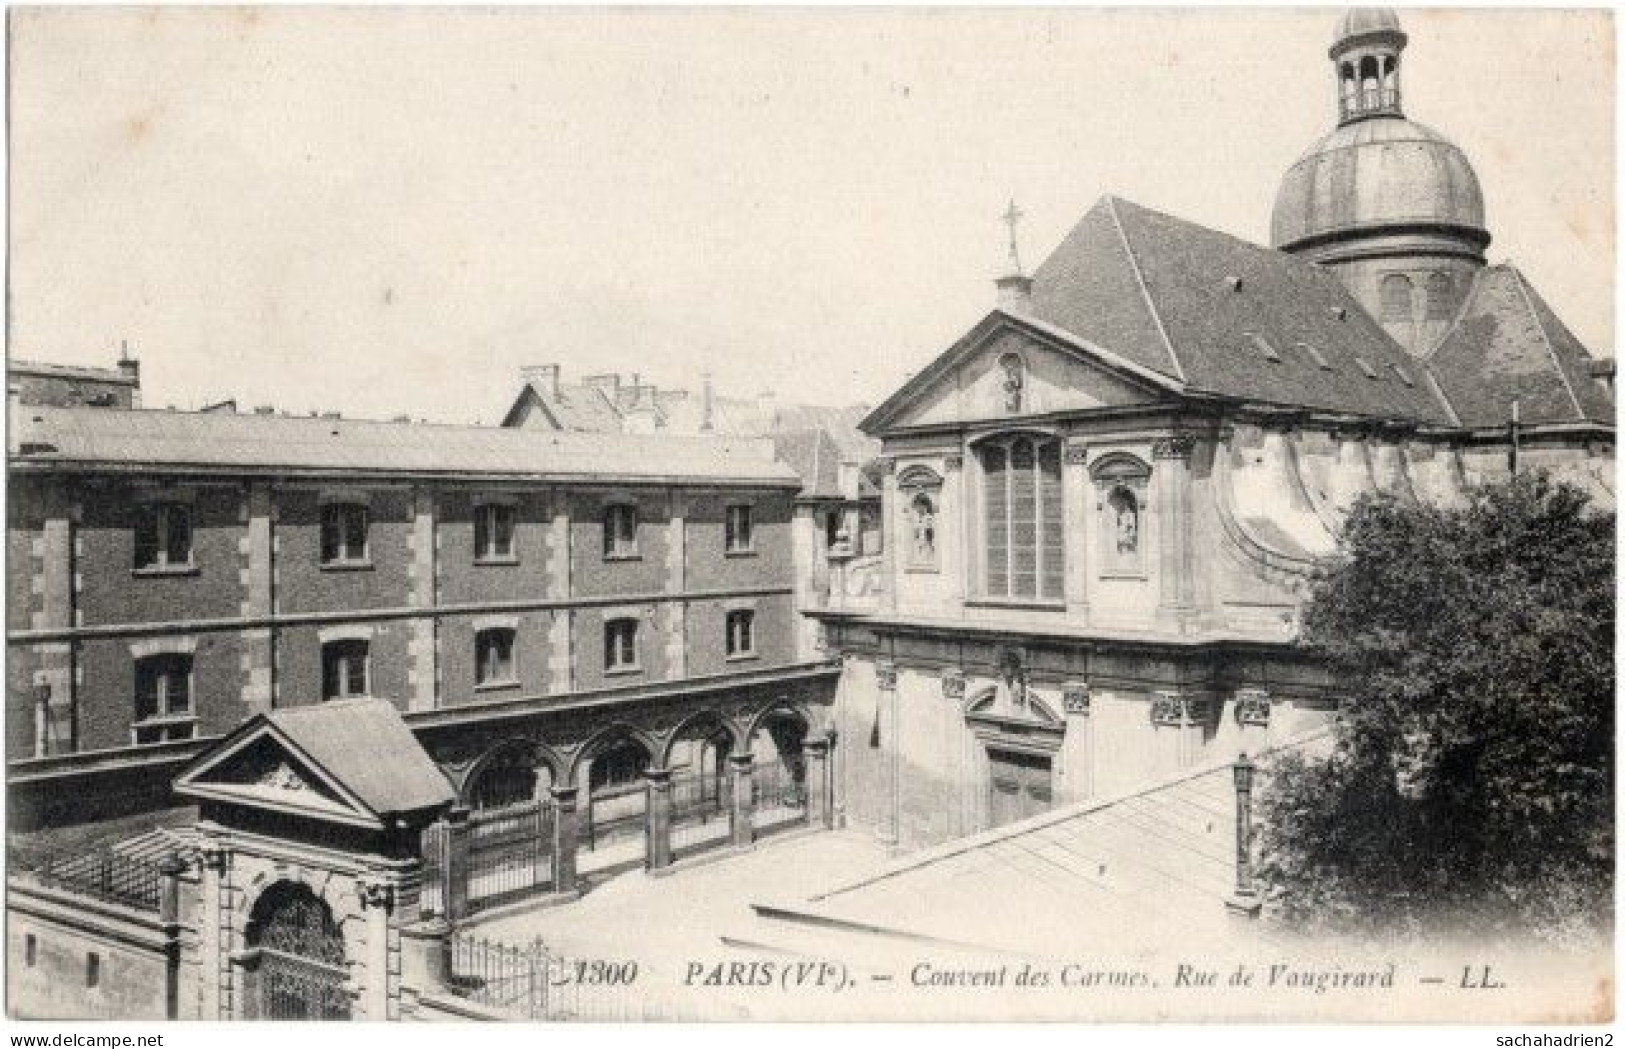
(1395, 297)
(621, 531)
(741, 633)
(737, 528)
(1023, 544)
(344, 533)
(493, 532)
(493, 656)
(163, 536)
(344, 669)
(1441, 304)
(163, 698)
(621, 644)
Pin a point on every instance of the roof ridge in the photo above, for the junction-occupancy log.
(1534, 314)
(1139, 282)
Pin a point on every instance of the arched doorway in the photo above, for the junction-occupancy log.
(295, 959)
(778, 770)
(510, 826)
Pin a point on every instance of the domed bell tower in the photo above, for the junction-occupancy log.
(1366, 52)
(1394, 208)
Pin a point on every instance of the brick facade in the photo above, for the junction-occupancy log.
(256, 602)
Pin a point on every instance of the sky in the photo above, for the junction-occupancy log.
(389, 212)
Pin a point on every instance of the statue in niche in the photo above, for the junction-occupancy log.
(1012, 382)
(925, 530)
(1125, 522)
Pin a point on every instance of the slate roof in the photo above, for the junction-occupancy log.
(1188, 302)
(577, 407)
(366, 747)
(813, 455)
(1146, 869)
(1506, 342)
(70, 371)
(144, 439)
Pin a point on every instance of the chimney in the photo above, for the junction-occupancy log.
(544, 375)
(707, 424)
(610, 382)
(1602, 369)
(130, 367)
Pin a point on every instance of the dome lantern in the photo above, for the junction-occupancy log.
(1365, 52)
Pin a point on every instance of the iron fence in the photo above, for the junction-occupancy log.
(510, 852)
(612, 816)
(529, 982)
(779, 793)
(700, 804)
(108, 876)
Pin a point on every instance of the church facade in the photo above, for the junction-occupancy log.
(1103, 504)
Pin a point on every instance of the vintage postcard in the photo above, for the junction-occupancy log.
(573, 514)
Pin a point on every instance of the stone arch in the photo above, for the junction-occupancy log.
(543, 756)
(606, 738)
(700, 719)
(1395, 297)
(780, 706)
(298, 956)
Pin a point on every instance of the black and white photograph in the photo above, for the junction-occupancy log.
(786, 514)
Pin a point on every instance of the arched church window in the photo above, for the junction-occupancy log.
(1022, 542)
(1395, 297)
(1441, 304)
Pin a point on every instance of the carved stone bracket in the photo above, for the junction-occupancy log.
(1174, 446)
(374, 893)
(1076, 454)
(1174, 708)
(214, 857)
(886, 676)
(1253, 706)
(953, 685)
(953, 461)
(1075, 697)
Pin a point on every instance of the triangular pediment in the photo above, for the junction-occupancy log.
(261, 768)
(1012, 367)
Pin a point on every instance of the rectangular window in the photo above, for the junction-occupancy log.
(344, 533)
(93, 969)
(30, 950)
(493, 657)
(741, 633)
(621, 531)
(621, 644)
(163, 699)
(493, 532)
(163, 536)
(738, 528)
(344, 669)
(1023, 536)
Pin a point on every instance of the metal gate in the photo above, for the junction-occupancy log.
(297, 962)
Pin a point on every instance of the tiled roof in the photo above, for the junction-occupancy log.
(364, 745)
(1201, 306)
(69, 371)
(813, 455)
(143, 439)
(1506, 342)
(1148, 868)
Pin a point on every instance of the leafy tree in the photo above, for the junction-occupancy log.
(1471, 774)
